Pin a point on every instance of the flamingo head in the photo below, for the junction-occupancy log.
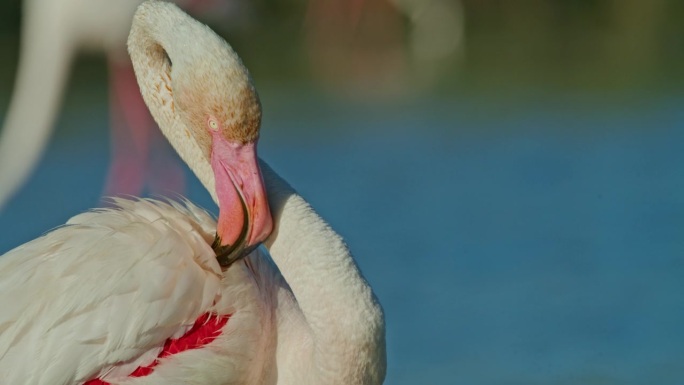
(204, 100)
(221, 107)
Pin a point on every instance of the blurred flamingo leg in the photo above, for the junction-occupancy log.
(166, 173)
(139, 151)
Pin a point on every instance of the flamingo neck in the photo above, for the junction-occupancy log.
(332, 294)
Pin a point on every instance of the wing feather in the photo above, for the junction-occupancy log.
(102, 294)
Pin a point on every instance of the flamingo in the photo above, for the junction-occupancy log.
(157, 292)
(52, 32)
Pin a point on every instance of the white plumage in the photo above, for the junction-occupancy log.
(99, 297)
(110, 286)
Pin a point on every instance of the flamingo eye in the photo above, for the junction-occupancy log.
(213, 124)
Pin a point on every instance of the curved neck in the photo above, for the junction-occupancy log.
(340, 307)
(154, 44)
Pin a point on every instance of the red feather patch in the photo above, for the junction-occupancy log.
(205, 330)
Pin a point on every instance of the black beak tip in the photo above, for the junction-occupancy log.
(226, 255)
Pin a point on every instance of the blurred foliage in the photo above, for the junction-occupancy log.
(613, 44)
(585, 45)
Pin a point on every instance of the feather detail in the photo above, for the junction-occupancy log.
(102, 294)
(204, 331)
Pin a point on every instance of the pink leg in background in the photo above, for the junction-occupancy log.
(141, 156)
(166, 176)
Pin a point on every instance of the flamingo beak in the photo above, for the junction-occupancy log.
(244, 216)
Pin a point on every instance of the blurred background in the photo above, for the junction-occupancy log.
(508, 173)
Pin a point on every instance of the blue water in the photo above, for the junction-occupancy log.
(535, 245)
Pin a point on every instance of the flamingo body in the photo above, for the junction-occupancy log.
(115, 284)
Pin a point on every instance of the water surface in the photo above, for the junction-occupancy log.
(540, 246)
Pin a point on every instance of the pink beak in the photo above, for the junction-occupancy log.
(244, 216)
